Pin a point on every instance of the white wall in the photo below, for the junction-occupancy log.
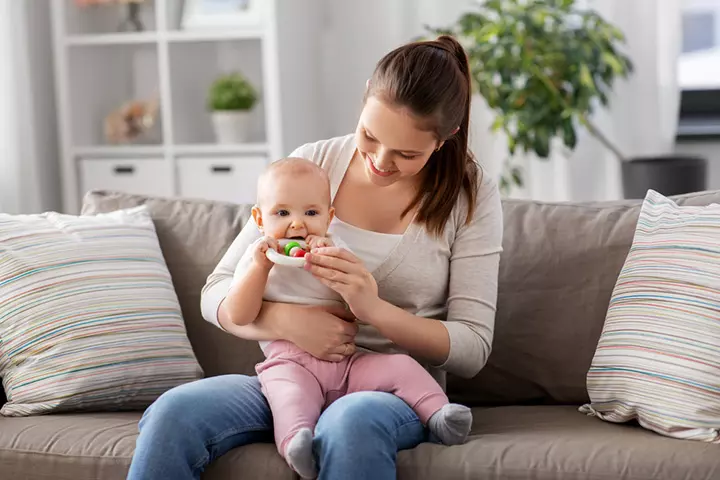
(44, 124)
(28, 143)
(356, 35)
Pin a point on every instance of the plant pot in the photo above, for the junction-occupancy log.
(668, 175)
(231, 127)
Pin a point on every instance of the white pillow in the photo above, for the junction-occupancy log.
(658, 359)
(89, 319)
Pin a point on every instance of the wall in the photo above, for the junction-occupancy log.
(28, 143)
(38, 36)
(355, 35)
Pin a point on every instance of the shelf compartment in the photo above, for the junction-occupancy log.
(105, 19)
(105, 78)
(231, 179)
(146, 176)
(190, 83)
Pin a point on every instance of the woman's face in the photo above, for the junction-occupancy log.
(391, 144)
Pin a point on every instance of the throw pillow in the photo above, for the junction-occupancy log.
(89, 319)
(658, 358)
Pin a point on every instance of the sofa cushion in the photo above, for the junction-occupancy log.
(507, 443)
(658, 359)
(557, 273)
(193, 235)
(89, 318)
(556, 442)
(74, 446)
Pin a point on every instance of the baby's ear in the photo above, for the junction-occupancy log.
(257, 216)
(331, 215)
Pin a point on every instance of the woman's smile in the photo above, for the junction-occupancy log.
(375, 169)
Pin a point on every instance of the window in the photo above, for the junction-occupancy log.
(699, 68)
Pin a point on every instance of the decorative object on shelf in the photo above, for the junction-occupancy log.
(542, 66)
(132, 22)
(231, 99)
(200, 14)
(131, 121)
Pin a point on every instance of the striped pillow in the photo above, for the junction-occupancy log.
(89, 319)
(658, 359)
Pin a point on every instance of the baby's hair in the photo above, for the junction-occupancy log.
(296, 167)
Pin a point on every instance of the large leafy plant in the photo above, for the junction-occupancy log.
(543, 66)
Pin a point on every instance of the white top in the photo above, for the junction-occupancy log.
(451, 277)
(370, 247)
(296, 285)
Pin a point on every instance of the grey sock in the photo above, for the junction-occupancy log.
(299, 454)
(451, 424)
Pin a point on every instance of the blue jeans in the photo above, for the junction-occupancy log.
(357, 437)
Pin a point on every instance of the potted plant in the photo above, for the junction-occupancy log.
(544, 66)
(231, 100)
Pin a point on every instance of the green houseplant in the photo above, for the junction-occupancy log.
(231, 99)
(543, 66)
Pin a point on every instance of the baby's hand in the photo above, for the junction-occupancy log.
(261, 246)
(315, 241)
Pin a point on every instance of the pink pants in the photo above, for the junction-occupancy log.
(299, 386)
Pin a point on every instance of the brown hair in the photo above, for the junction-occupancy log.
(432, 80)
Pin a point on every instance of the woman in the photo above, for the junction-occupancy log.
(414, 204)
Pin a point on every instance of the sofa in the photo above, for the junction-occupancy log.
(557, 273)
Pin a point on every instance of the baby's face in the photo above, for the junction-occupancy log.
(294, 207)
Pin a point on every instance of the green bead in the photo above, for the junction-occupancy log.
(289, 247)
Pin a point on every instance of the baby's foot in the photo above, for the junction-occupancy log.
(451, 424)
(299, 454)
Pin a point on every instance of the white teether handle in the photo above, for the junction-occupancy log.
(280, 259)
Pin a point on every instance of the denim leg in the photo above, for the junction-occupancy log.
(191, 425)
(359, 435)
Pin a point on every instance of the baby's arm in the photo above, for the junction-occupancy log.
(249, 286)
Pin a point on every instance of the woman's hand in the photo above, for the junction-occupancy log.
(325, 332)
(345, 273)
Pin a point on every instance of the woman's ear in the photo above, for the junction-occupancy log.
(257, 216)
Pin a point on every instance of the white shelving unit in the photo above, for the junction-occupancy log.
(98, 69)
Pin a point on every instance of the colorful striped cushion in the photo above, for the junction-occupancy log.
(89, 319)
(658, 359)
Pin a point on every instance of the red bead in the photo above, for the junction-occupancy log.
(299, 253)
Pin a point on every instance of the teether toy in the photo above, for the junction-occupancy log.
(293, 253)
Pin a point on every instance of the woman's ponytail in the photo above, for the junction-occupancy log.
(432, 79)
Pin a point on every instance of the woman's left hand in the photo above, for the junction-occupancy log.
(345, 273)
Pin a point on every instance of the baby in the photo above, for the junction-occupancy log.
(294, 202)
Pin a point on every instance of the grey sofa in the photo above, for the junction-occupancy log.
(557, 274)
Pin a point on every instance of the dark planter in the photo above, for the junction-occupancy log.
(668, 175)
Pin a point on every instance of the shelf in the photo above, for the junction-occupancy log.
(217, 149)
(113, 39)
(191, 81)
(98, 20)
(108, 151)
(104, 80)
(213, 35)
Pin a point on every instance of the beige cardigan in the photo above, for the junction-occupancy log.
(452, 278)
